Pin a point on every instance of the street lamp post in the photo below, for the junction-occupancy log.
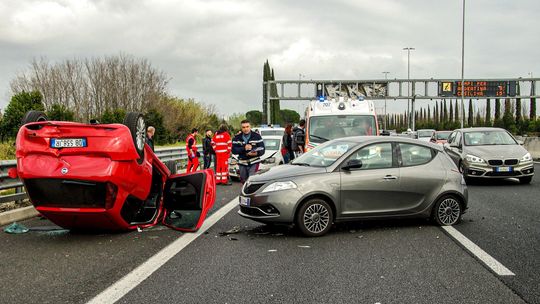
(408, 49)
(463, 68)
(385, 118)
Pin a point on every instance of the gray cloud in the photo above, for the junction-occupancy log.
(214, 50)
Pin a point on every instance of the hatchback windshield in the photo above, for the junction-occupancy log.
(443, 135)
(481, 138)
(271, 143)
(425, 133)
(324, 155)
(271, 132)
(324, 128)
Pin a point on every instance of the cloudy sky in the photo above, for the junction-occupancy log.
(214, 51)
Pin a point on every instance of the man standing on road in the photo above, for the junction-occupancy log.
(150, 131)
(208, 149)
(222, 145)
(299, 138)
(191, 149)
(249, 147)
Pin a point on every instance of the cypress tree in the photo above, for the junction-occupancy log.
(470, 116)
(266, 77)
(451, 114)
(275, 108)
(519, 118)
(436, 114)
(445, 113)
(441, 114)
(497, 109)
(488, 113)
(456, 111)
(532, 108)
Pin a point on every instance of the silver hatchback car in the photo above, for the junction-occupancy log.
(358, 178)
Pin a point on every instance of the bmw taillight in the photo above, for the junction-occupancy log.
(110, 195)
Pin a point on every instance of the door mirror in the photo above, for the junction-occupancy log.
(352, 164)
(187, 199)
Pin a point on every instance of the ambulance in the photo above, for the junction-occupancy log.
(332, 118)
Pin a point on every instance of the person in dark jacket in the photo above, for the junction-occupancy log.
(249, 147)
(287, 150)
(208, 151)
(150, 131)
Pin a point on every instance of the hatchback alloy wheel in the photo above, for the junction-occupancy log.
(315, 218)
(447, 211)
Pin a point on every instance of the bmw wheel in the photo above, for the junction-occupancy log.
(137, 127)
(314, 218)
(447, 211)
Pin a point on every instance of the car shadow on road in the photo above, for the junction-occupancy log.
(495, 182)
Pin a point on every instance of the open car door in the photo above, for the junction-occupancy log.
(187, 199)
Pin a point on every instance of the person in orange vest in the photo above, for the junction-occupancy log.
(222, 144)
(191, 149)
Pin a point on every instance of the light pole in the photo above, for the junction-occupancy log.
(408, 49)
(463, 67)
(386, 93)
(301, 103)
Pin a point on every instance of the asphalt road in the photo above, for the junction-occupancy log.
(364, 262)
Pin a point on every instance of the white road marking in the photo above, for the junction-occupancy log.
(119, 289)
(483, 256)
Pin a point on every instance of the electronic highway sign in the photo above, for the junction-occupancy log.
(477, 89)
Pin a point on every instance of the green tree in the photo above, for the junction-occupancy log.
(470, 115)
(509, 122)
(488, 113)
(234, 122)
(18, 106)
(155, 119)
(266, 77)
(255, 117)
(289, 116)
(456, 112)
(497, 122)
(114, 116)
(451, 113)
(61, 113)
(532, 110)
(275, 116)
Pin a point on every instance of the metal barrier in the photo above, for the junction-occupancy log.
(175, 154)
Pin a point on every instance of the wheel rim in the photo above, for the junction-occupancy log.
(141, 129)
(316, 218)
(449, 211)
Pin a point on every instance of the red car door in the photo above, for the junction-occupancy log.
(187, 198)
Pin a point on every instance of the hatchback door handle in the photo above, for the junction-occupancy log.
(390, 177)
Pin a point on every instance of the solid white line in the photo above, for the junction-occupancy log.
(119, 289)
(483, 256)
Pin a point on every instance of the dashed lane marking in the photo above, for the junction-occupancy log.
(483, 256)
(119, 289)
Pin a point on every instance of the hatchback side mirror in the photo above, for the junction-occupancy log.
(352, 164)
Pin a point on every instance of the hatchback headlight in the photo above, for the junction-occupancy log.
(475, 159)
(278, 186)
(526, 158)
(269, 160)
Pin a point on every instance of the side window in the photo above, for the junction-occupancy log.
(414, 155)
(376, 156)
(451, 137)
(457, 139)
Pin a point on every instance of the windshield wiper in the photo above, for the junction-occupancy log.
(301, 164)
(325, 139)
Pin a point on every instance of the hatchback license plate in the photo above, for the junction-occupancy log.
(68, 142)
(244, 201)
(503, 169)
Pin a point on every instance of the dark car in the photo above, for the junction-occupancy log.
(489, 153)
(104, 177)
(358, 178)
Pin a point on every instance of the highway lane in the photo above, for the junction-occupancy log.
(504, 220)
(63, 267)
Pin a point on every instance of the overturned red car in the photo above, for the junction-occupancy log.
(104, 177)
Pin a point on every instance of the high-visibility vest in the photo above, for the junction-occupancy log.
(222, 143)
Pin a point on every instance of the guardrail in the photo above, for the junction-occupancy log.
(176, 154)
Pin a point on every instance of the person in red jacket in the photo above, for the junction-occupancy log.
(191, 149)
(222, 144)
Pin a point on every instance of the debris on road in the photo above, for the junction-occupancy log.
(16, 228)
(234, 230)
(272, 250)
(233, 239)
(304, 246)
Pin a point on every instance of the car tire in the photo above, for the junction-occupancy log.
(525, 180)
(462, 171)
(34, 116)
(314, 218)
(447, 211)
(137, 127)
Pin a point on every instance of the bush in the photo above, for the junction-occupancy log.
(7, 150)
(17, 107)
